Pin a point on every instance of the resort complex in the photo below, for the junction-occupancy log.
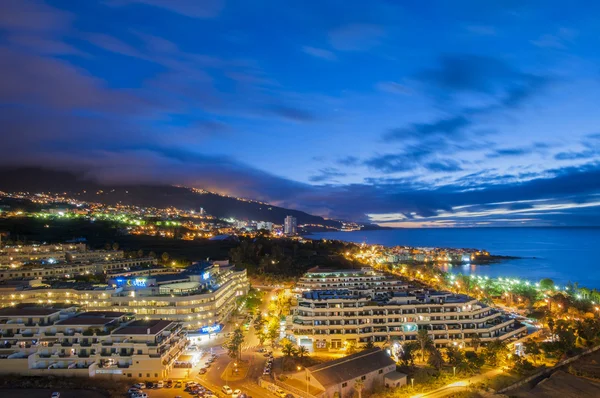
(336, 309)
(57, 340)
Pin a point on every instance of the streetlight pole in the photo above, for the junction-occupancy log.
(454, 370)
(305, 378)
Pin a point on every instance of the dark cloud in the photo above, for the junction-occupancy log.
(446, 165)
(190, 8)
(588, 154)
(297, 115)
(327, 174)
(498, 153)
(349, 161)
(481, 75)
(356, 37)
(446, 127)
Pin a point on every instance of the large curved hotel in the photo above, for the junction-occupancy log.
(197, 297)
(337, 308)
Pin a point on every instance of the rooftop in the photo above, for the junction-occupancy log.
(143, 327)
(350, 367)
(92, 318)
(30, 310)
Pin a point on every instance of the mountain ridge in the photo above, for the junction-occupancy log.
(37, 179)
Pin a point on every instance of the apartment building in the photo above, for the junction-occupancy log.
(357, 307)
(197, 298)
(56, 340)
(75, 252)
(68, 269)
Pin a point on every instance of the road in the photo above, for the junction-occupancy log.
(212, 379)
(458, 386)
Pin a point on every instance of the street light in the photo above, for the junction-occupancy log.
(305, 376)
(454, 370)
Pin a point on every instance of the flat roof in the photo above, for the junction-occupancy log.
(92, 318)
(29, 311)
(150, 327)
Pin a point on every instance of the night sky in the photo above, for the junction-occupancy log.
(413, 113)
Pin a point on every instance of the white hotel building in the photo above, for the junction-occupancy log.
(56, 340)
(196, 298)
(336, 308)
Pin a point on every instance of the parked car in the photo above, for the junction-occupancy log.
(202, 371)
(236, 393)
(133, 390)
(178, 384)
(55, 395)
(160, 384)
(140, 386)
(169, 384)
(281, 393)
(227, 390)
(139, 395)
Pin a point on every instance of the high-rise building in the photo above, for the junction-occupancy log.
(290, 226)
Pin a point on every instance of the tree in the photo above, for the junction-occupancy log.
(496, 353)
(115, 246)
(152, 255)
(287, 349)
(473, 361)
(165, 257)
(407, 354)
(533, 349)
(435, 359)
(358, 387)
(550, 322)
(546, 284)
(302, 352)
(140, 253)
(350, 347)
(368, 345)
(234, 345)
(454, 356)
(273, 332)
(424, 342)
(259, 328)
(476, 342)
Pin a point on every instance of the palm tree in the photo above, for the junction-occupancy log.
(551, 324)
(165, 257)
(358, 386)
(302, 352)
(424, 341)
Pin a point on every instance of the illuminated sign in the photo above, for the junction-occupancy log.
(211, 329)
(134, 282)
(205, 275)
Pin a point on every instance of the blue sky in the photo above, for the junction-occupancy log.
(462, 113)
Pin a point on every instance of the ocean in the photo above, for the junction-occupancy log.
(561, 254)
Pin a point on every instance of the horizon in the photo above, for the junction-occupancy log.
(406, 116)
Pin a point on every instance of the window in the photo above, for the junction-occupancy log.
(363, 378)
(140, 375)
(128, 374)
(344, 385)
(147, 374)
(380, 371)
(155, 374)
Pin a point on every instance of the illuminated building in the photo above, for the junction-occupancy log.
(290, 226)
(197, 297)
(357, 306)
(55, 340)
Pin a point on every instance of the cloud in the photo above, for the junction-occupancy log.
(446, 165)
(460, 75)
(319, 53)
(349, 161)
(393, 88)
(482, 30)
(558, 41)
(32, 16)
(191, 8)
(447, 127)
(327, 174)
(356, 37)
(57, 84)
(508, 152)
(294, 114)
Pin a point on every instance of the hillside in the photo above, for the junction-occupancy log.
(43, 180)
